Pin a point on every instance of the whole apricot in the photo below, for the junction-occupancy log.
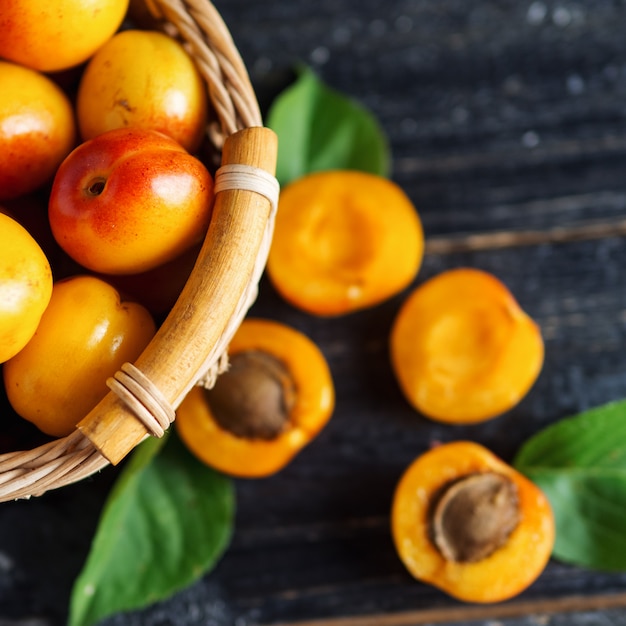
(462, 349)
(37, 129)
(129, 200)
(120, 88)
(25, 286)
(85, 335)
(53, 36)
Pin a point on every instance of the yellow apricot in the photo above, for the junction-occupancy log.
(120, 88)
(53, 36)
(86, 333)
(25, 286)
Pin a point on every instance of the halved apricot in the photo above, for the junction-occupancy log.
(344, 240)
(462, 349)
(276, 396)
(468, 523)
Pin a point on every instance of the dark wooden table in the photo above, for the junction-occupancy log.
(507, 122)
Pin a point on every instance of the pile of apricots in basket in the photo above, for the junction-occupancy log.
(103, 195)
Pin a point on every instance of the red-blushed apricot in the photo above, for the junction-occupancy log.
(129, 200)
(462, 349)
(468, 523)
(37, 129)
(344, 240)
(275, 398)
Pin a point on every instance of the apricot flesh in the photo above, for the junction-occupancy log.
(462, 349)
(344, 241)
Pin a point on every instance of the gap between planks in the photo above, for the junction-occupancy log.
(464, 614)
(511, 239)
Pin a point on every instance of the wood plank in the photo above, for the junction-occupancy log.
(507, 122)
(473, 613)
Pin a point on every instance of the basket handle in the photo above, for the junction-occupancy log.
(210, 308)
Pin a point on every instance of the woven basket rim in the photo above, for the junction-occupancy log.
(199, 26)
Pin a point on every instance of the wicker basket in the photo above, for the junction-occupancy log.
(190, 346)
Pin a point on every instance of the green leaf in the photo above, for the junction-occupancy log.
(166, 522)
(318, 128)
(580, 464)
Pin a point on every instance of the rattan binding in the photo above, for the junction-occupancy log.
(190, 347)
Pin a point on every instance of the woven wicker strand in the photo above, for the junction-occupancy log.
(58, 463)
(207, 38)
(190, 346)
(143, 398)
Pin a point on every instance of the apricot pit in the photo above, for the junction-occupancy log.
(254, 398)
(474, 516)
